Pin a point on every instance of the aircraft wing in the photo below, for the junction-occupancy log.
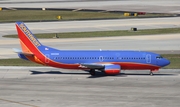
(108, 68)
(93, 65)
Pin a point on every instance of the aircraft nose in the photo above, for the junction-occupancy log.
(166, 62)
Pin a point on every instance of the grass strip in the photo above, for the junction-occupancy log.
(17, 62)
(104, 33)
(39, 15)
(50, 15)
(174, 58)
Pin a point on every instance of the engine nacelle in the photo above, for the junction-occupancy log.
(112, 69)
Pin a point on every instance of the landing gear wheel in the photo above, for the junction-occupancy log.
(92, 72)
(151, 73)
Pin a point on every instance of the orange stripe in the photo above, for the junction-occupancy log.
(25, 48)
(31, 58)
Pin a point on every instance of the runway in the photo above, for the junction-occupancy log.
(50, 87)
(94, 25)
(163, 44)
(154, 6)
(166, 42)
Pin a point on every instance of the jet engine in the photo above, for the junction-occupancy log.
(112, 69)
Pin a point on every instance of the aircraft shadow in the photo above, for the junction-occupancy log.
(155, 74)
(54, 72)
(98, 74)
(129, 74)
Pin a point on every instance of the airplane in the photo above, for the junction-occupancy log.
(110, 62)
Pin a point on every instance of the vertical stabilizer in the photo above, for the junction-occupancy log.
(28, 41)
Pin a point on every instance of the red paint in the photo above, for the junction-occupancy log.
(135, 66)
(112, 71)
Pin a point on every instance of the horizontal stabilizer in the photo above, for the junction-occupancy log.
(19, 51)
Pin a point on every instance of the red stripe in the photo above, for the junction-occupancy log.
(135, 66)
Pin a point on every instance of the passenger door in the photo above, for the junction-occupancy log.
(148, 58)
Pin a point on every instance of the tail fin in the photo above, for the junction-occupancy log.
(28, 41)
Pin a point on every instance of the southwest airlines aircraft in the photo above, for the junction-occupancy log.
(109, 62)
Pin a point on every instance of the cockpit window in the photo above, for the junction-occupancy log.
(159, 57)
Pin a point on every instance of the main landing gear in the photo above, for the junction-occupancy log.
(92, 72)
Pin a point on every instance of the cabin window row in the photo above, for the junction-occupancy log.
(83, 58)
(98, 58)
(132, 58)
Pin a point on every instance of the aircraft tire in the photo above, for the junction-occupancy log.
(92, 72)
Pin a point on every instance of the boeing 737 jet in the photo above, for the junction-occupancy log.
(107, 61)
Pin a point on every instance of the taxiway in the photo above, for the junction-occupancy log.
(50, 87)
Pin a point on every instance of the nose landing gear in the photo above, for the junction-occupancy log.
(151, 73)
(154, 70)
